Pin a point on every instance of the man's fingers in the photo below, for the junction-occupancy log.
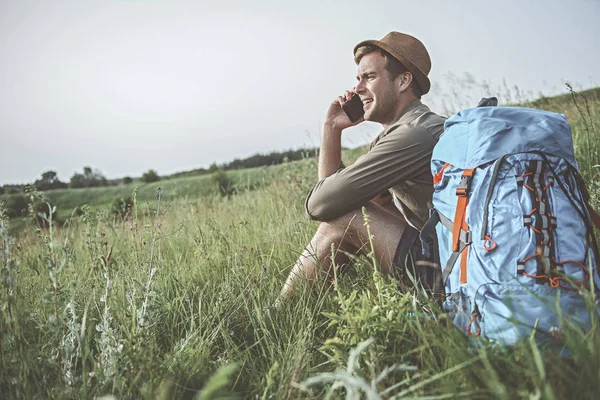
(347, 96)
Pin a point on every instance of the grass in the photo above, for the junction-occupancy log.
(176, 301)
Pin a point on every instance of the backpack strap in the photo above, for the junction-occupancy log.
(435, 217)
(541, 222)
(461, 235)
(489, 194)
(460, 224)
(463, 261)
(465, 239)
(579, 204)
(594, 216)
(407, 240)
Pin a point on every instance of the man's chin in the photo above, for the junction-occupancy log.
(368, 116)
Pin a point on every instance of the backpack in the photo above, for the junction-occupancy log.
(511, 213)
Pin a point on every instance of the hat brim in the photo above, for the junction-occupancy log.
(418, 74)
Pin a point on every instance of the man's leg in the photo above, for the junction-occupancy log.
(348, 234)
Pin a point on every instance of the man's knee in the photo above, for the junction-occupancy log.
(339, 227)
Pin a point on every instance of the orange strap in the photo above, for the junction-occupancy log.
(460, 222)
(461, 208)
(594, 215)
(437, 178)
(463, 265)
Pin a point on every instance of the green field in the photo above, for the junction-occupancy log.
(176, 300)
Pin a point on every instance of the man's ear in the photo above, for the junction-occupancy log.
(404, 82)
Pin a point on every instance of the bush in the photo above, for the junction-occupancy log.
(122, 206)
(16, 206)
(127, 180)
(150, 176)
(224, 183)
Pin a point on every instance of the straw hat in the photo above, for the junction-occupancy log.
(409, 51)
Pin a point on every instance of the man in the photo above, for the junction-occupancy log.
(392, 76)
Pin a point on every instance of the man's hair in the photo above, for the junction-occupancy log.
(392, 65)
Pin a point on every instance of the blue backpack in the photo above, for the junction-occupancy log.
(511, 212)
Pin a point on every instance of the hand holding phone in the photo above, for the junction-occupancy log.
(354, 108)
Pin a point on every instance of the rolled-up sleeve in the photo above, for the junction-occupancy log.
(403, 154)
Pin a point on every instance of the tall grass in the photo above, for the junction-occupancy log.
(177, 301)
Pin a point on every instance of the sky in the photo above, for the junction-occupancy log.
(127, 86)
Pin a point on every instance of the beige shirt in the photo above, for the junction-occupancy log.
(398, 161)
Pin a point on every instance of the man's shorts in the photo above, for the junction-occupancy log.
(412, 268)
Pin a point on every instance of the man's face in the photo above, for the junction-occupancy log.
(376, 90)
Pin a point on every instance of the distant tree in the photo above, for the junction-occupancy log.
(150, 176)
(213, 168)
(94, 178)
(77, 181)
(49, 176)
(127, 180)
(89, 178)
(1, 190)
(49, 181)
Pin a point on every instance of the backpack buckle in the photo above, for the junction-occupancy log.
(463, 186)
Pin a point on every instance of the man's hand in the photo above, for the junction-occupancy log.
(336, 118)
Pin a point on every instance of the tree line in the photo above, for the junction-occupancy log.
(86, 179)
(94, 178)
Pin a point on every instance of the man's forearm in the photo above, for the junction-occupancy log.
(330, 155)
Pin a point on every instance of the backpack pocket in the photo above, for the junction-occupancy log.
(508, 313)
(504, 237)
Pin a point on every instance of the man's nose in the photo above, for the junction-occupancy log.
(360, 87)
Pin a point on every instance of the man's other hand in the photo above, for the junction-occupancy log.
(336, 117)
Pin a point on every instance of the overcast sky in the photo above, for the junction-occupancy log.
(125, 86)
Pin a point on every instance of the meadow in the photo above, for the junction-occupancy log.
(176, 300)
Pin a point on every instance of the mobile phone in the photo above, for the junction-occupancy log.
(354, 108)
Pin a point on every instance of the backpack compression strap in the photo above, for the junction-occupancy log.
(594, 216)
(460, 224)
(461, 235)
(541, 222)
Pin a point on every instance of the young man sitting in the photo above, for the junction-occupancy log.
(392, 77)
